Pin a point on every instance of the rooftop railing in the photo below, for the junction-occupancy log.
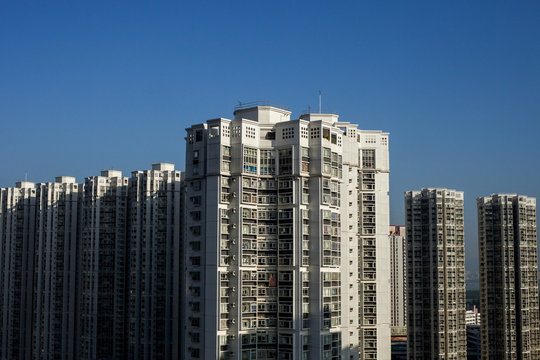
(252, 104)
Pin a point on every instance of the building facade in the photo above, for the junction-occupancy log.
(435, 274)
(56, 267)
(286, 252)
(103, 259)
(398, 278)
(17, 236)
(154, 262)
(508, 277)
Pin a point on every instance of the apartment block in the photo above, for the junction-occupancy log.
(508, 277)
(103, 267)
(435, 274)
(56, 266)
(398, 278)
(154, 262)
(17, 235)
(286, 251)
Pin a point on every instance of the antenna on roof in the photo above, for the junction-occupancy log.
(25, 176)
(320, 102)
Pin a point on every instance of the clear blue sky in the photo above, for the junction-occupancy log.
(91, 85)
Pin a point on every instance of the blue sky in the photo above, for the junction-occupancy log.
(91, 85)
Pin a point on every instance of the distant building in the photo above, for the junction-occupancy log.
(435, 274)
(399, 348)
(286, 253)
(398, 278)
(474, 341)
(508, 277)
(17, 239)
(155, 216)
(56, 266)
(103, 259)
(472, 316)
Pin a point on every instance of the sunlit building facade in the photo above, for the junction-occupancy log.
(286, 250)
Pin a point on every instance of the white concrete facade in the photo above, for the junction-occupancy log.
(286, 239)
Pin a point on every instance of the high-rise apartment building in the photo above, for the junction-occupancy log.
(56, 266)
(398, 278)
(103, 260)
(508, 277)
(435, 274)
(286, 250)
(17, 234)
(154, 262)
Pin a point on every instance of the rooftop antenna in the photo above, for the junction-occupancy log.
(25, 176)
(320, 102)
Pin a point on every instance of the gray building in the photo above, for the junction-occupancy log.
(56, 266)
(508, 277)
(286, 251)
(398, 278)
(154, 262)
(435, 274)
(103, 259)
(17, 236)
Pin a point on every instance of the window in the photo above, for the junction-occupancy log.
(268, 162)
(198, 135)
(213, 132)
(305, 159)
(368, 158)
(196, 185)
(226, 163)
(326, 133)
(285, 161)
(250, 160)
